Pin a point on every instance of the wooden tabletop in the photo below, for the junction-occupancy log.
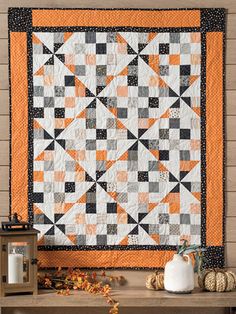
(127, 297)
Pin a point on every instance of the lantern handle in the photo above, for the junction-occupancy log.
(15, 218)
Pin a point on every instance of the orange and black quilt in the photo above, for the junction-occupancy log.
(117, 133)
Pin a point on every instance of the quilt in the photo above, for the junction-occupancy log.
(117, 133)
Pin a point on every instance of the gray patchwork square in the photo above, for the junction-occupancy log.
(48, 187)
(48, 165)
(185, 219)
(132, 155)
(70, 165)
(101, 165)
(111, 229)
(164, 134)
(174, 123)
(101, 239)
(133, 70)
(132, 165)
(164, 239)
(70, 144)
(153, 187)
(174, 230)
(80, 70)
(59, 197)
(163, 218)
(174, 37)
(38, 134)
(111, 123)
(163, 92)
(195, 187)
(142, 38)
(122, 113)
(38, 91)
(90, 37)
(59, 91)
(143, 112)
(81, 239)
(122, 198)
(90, 123)
(91, 145)
(153, 229)
(184, 80)
(111, 102)
(48, 102)
(152, 165)
(101, 80)
(58, 37)
(174, 144)
(111, 145)
(111, 37)
(133, 102)
(195, 230)
(153, 144)
(143, 91)
(164, 70)
(132, 187)
(79, 49)
(185, 49)
(184, 155)
(101, 70)
(91, 197)
(91, 113)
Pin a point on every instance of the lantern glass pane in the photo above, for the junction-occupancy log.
(18, 262)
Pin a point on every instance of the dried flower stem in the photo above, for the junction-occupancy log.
(74, 279)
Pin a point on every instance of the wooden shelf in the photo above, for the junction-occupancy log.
(127, 297)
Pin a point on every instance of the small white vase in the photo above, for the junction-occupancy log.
(179, 275)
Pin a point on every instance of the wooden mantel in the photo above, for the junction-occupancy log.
(128, 297)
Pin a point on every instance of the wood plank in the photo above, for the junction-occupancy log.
(230, 198)
(230, 254)
(4, 203)
(4, 127)
(231, 179)
(230, 71)
(4, 153)
(230, 229)
(4, 76)
(4, 102)
(124, 310)
(230, 128)
(231, 153)
(136, 297)
(3, 51)
(3, 26)
(230, 100)
(230, 51)
(230, 27)
(4, 175)
(228, 4)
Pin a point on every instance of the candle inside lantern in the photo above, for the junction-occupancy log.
(15, 267)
